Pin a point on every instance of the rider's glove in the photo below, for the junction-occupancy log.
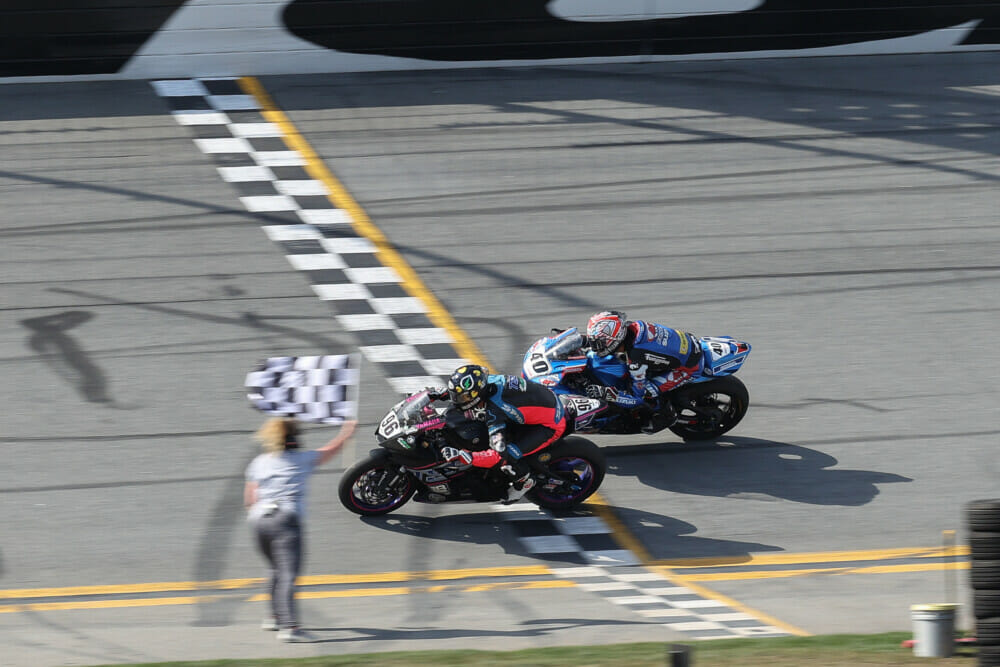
(453, 454)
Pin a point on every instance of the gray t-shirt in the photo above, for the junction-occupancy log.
(282, 479)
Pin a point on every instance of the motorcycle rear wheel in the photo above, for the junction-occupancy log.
(706, 410)
(362, 489)
(574, 460)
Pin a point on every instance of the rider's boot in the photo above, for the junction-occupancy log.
(519, 487)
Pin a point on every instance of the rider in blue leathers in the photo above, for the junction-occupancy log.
(659, 359)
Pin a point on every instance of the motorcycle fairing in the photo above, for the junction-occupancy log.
(724, 355)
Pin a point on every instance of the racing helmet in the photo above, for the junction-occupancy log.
(467, 386)
(606, 331)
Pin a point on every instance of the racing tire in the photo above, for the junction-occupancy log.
(989, 656)
(986, 604)
(984, 575)
(984, 546)
(573, 458)
(726, 400)
(983, 515)
(988, 631)
(359, 487)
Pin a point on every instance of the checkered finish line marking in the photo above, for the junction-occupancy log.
(615, 574)
(375, 294)
(324, 233)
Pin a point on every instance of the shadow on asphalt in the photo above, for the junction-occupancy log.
(487, 528)
(548, 626)
(749, 467)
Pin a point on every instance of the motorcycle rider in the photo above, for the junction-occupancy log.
(522, 417)
(659, 359)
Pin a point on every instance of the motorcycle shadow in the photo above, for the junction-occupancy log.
(751, 468)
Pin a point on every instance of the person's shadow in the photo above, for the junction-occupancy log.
(751, 468)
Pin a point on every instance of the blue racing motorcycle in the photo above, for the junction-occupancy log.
(588, 384)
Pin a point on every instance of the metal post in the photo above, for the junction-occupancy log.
(950, 573)
(678, 655)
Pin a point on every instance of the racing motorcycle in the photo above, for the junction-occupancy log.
(705, 407)
(411, 464)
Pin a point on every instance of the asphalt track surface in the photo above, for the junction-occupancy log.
(839, 214)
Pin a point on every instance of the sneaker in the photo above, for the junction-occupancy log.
(269, 623)
(294, 635)
(517, 490)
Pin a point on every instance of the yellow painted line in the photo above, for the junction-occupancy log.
(619, 531)
(818, 557)
(343, 200)
(431, 575)
(312, 580)
(99, 604)
(782, 574)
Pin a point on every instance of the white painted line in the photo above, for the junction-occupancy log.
(424, 336)
(696, 604)
(245, 174)
(255, 130)
(180, 88)
(373, 274)
(575, 572)
(730, 616)
(315, 262)
(292, 232)
(611, 558)
(662, 613)
(349, 246)
(388, 353)
(669, 591)
(325, 216)
(695, 625)
(232, 102)
(342, 292)
(230, 145)
(636, 599)
(442, 366)
(637, 576)
(398, 305)
(200, 117)
(262, 203)
(550, 544)
(303, 188)
(582, 525)
(278, 158)
(368, 322)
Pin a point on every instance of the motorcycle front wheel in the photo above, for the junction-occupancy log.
(375, 486)
(576, 468)
(706, 410)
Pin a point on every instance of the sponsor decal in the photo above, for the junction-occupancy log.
(657, 359)
(512, 413)
(514, 382)
(684, 341)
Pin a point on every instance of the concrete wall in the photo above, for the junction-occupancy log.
(165, 38)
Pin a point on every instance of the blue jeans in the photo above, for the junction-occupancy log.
(279, 537)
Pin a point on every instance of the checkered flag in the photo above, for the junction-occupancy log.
(320, 390)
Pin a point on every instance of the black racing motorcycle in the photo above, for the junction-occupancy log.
(410, 464)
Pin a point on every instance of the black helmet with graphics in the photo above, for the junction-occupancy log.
(467, 386)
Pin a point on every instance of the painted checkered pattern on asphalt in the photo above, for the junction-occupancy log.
(678, 608)
(368, 299)
(317, 238)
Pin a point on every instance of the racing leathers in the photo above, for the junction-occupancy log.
(522, 417)
(659, 359)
